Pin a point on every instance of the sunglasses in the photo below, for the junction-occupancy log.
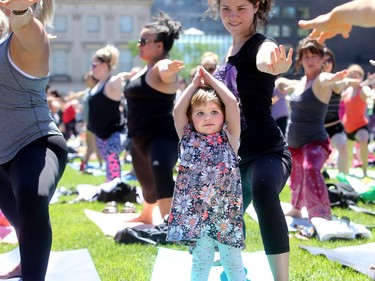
(328, 60)
(143, 41)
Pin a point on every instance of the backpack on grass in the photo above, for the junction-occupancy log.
(342, 195)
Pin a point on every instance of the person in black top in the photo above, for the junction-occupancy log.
(150, 96)
(249, 71)
(106, 119)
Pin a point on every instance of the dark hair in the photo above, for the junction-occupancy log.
(261, 15)
(166, 30)
(328, 52)
(307, 44)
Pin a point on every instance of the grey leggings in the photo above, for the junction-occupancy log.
(27, 184)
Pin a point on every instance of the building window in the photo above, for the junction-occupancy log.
(289, 13)
(286, 31)
(93, 24)
(275, 12)
(303, 13)
(60, 24)
(126, 24)
(60, 60)
(303, 32)
(125, 62)
(273, 30)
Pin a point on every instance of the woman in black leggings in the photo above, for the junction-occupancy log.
(33, 151)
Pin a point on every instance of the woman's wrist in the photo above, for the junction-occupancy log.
(21, 13)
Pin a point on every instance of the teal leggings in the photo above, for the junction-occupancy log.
(203, 256)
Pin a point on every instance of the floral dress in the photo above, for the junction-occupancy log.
(207, 198)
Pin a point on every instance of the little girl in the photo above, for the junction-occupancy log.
(206, 209)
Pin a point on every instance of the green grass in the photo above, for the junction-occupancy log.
(114, 262)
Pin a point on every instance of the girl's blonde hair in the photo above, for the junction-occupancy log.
(109, 55)
(201, 96)
(44, 11)
(356, 68)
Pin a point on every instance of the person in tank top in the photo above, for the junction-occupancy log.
(307, 138)
(150, 96)
(250, 68)
(33, 152)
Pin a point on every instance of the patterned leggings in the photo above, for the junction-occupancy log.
(110, 150)
(203, 256)
(306, 181)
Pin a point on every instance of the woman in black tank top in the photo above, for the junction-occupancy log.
(150, 98)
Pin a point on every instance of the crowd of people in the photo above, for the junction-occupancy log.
(287, 127)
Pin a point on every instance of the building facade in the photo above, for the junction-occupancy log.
(83, 26)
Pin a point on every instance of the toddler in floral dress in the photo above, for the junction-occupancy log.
(206, 209)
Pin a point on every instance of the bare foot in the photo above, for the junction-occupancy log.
(295, 213)
(142, 218)
(15, 272)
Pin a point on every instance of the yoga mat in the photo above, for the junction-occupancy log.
(8, 235)
(74, 265)
(291, 222)
(172, 265)
(359, 257)
(111, 223)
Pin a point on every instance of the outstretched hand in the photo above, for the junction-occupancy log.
(280, 62)
(325, 27)
(176, 66)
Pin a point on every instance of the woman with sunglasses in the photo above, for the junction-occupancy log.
(33, 151)
(150, 96)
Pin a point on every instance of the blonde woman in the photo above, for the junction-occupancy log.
(106, 118)
(33, 151)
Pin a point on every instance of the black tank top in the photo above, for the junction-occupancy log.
(105, 117)
(254, 90)
(149, 111)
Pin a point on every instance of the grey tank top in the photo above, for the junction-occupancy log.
(306, 122)
(24, 113)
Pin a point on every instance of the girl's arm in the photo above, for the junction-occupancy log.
(182, 104)
(232, 111)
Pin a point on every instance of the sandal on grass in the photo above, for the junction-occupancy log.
(128, 208)
(110, 208)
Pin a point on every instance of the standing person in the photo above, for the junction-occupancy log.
(355, 118)
(341, 19)
(249, 71)
(33, 151)
(106, 117)
(306, 135)
(150, 96)
(332, 122)
(91, 147)
(207, 202)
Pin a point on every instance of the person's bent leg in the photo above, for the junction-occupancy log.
(316, 192)
(339, 141)
(267, 176)
(203, 256)
(362, 136)
(164, 155)
(35, 172)
(143, 172)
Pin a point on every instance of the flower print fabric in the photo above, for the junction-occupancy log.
(208, 197)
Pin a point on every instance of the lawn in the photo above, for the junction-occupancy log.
(114, 262)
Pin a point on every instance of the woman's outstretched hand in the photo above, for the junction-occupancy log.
(280, 62)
